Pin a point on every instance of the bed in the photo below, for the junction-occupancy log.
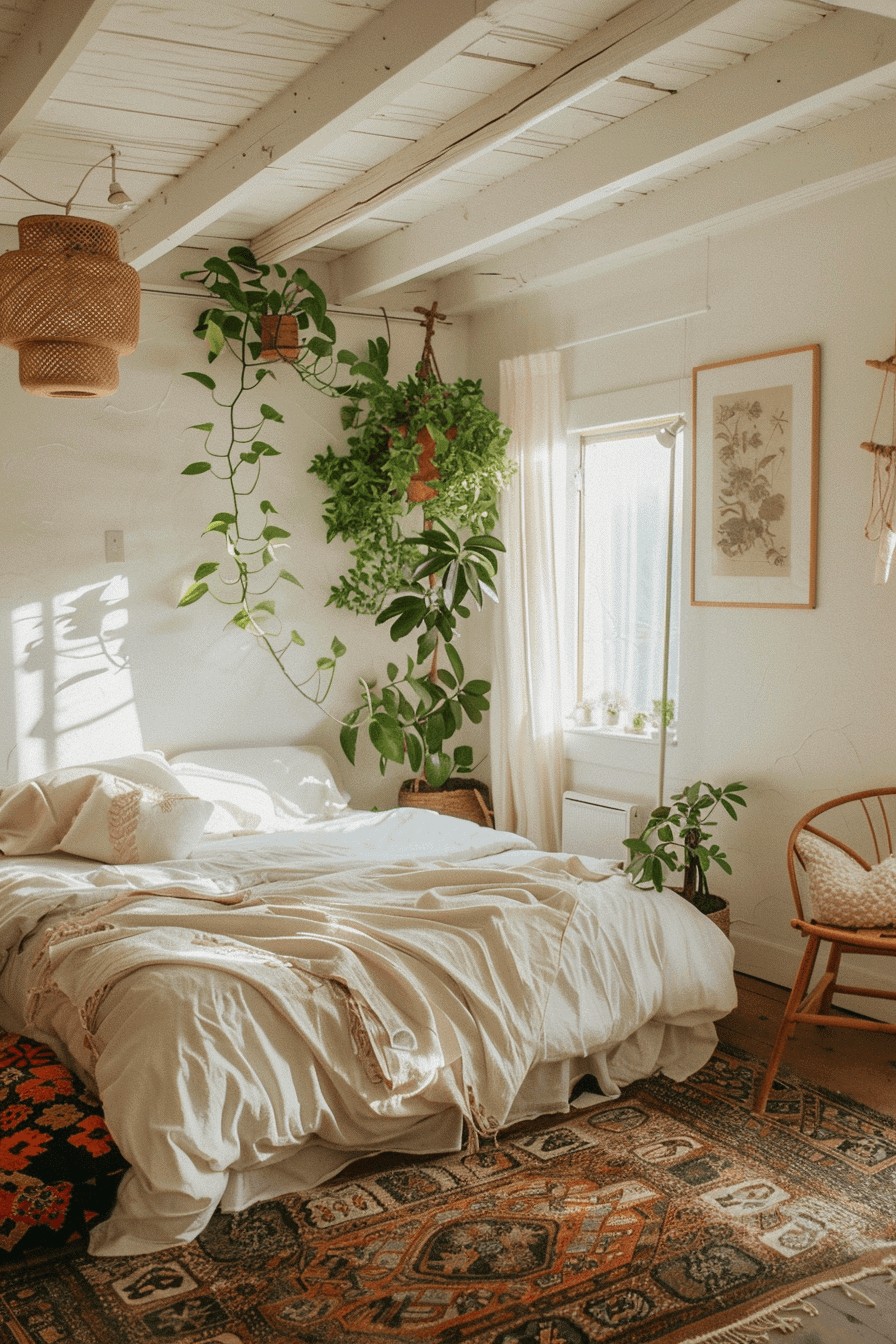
(264, 984)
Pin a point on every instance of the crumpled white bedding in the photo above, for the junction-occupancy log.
(260, 1015)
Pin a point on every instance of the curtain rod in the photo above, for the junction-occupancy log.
(344, 312)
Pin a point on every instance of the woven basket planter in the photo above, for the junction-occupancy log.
(721, 917)
(68, 305)
(467, 799)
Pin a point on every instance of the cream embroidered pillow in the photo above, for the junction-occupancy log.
(122, 822)
(842, 892)
(35, 815)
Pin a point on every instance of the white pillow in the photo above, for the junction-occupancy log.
(261, 789)
(35, 815)
(122, 822)
(842, 892)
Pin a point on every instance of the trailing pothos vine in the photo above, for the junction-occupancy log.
(236, 446)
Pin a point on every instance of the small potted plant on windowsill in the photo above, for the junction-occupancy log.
(663, 713)
(674, 840)
(613, 704)
(638, 723)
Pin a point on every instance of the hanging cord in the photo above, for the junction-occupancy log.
(64, 205)
(883, 486)
(427, 365)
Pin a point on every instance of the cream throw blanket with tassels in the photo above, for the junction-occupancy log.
(414, 990)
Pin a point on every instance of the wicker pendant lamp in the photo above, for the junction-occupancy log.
(68, 305)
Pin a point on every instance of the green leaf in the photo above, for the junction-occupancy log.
(415, 751)
(196, 468)
(463, 759)
(348, 740)
(268, 413)
(266, 606)
(205, 569)
(193, 594)
(214, 337)
(437, 769)
(391, 671)
(454, 660)
(478, 687)
(271, 532)
(204, 379)
(266, 506)
(387, 737)
(290, 577)
(337, 647)
(296, 638)
(206, 428)
(217, 526)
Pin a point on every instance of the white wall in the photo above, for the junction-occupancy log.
(800, 704)
(95, 658)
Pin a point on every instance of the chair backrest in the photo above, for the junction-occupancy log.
(862, 825)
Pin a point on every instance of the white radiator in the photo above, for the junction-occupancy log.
(597, 827)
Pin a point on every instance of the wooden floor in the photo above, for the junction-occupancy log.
(862, 1065)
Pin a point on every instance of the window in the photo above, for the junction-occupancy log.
(627, 519)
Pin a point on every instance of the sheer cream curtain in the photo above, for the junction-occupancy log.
(527, 694)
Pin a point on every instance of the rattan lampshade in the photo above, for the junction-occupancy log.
(68, 305)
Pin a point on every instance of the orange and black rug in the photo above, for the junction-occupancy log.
(671, 1214)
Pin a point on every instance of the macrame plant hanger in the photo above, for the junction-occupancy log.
(880, 525)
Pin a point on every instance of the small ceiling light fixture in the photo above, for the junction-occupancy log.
(68, 305)
(117, 194)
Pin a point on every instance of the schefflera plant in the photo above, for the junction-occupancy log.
(236, 445)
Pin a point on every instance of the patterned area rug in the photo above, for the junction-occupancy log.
(669, 1215)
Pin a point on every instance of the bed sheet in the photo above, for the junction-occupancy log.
(215, 1094)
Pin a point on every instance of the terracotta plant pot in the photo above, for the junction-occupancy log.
(280, 337)
(419, 489)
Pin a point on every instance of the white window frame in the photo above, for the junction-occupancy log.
(606, 414)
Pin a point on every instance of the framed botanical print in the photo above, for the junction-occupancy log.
(755, 480)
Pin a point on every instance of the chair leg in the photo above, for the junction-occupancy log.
(788, 1026)
(832, 969)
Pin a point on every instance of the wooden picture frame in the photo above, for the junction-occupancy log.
(755, 480)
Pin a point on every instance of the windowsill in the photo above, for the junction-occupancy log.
(613, 748)
(587, 730)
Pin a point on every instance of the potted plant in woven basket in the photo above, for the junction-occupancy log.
(415, 496)
(675, 840)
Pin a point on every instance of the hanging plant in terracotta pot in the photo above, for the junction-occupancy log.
(415, 496)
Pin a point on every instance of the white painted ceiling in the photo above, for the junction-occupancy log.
(459, 149)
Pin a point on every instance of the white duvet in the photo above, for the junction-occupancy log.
(258, 1016)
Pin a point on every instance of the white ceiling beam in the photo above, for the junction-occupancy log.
(53, 39)
(575, 72)
(814, 66)
(392, 51)
(886, 8)
(834, 157)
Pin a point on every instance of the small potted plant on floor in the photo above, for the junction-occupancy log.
(675, 840)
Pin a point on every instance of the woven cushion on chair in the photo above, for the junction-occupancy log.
(59, 1168)
(844, 893)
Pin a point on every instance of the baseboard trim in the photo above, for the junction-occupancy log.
(777, 963)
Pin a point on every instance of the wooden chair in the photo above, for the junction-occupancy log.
(861, 825)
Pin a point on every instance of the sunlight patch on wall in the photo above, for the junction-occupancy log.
(74, 700)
